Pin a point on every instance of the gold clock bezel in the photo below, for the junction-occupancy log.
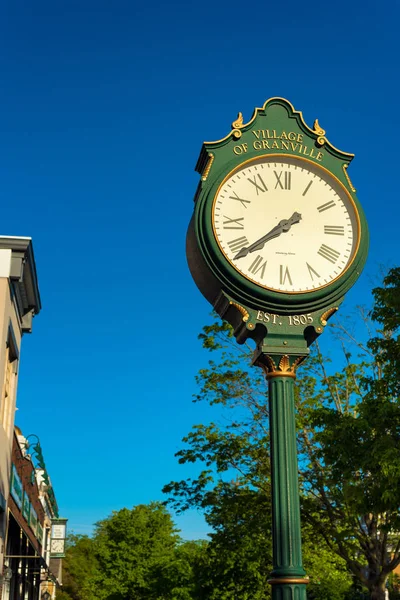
(300, 160)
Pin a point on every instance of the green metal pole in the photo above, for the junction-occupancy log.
(288, 576)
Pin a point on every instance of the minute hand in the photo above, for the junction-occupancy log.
(282, 227)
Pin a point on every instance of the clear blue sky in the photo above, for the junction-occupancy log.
(104, 107)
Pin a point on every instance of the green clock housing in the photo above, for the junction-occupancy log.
(277, 225)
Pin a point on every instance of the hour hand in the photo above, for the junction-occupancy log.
(259, 244)
(282, 227)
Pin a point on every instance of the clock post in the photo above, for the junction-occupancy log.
(276, 240)
(288, 578)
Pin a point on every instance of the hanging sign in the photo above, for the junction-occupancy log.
(33, 522)
(58, 535)
(16, 488)
(26, 508)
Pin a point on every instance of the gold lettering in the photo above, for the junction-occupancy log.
(240, 149)
(263, 316)
(289, 140)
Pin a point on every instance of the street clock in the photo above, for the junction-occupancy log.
(276, 240)
(277, 225)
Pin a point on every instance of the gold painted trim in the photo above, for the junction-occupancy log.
(271, 363)
(327, 314)
(353, 189)
(320, 133)
(210, 161)
(297, 362)
(289, 580)
(318, 129)
(284, 368)
(269, 375)
(241, 309)
(284, 363)
(239, 122)
(300, 159)
(296, 112)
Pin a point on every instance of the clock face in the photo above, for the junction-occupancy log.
(286, 224)
(57, 546)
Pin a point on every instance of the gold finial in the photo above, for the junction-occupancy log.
(318, 129)
(320, 133)
(239, 122)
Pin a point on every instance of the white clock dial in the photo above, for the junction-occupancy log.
(286, 224)
(57, 546)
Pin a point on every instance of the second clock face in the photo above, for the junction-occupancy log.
(57, 546)
(286, 224)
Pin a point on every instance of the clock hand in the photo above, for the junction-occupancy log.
(282, 227)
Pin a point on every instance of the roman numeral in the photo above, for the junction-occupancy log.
(228, 224)
(307, 188)
(242, 201)
(325, 206)
(311, 271)
(334, 229)
(285, 185)
(238, 243)
(262, 187)
(258, 265)
(283, 275)
(328, 253)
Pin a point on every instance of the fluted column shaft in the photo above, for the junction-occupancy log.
(288, 576)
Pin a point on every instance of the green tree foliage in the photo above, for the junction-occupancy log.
(132, 547)
(348, 440)
(133, 555)
(352, 441)
(80, 570)
(238, 557)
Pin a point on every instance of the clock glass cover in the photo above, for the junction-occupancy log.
(285, 223)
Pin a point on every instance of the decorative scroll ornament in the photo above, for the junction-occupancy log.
(242, 310)
(320, 133)
(327, 314)
(236, 125)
